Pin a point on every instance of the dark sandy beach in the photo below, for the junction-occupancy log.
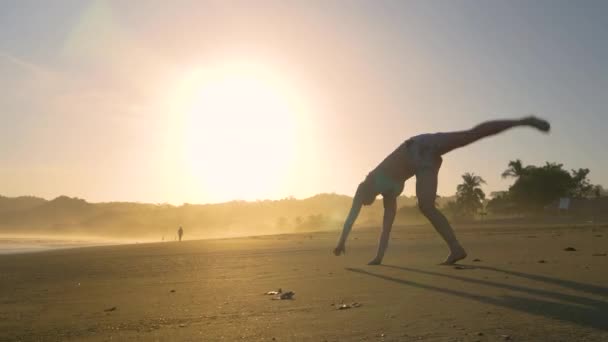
(525, 287)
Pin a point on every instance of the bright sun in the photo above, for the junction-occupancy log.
(239, 130)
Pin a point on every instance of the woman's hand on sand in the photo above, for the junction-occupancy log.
(340, 249)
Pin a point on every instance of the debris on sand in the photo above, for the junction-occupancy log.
(541, 261)
(172, 291)
(111, 309)
(598, 254)
(463, 267)
(182, 325)
(476, 260)
(570, 249)
(506, 337)
(285, 295)
(274, 293)
(349, 306)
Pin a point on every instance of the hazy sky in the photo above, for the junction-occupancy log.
(207, 101)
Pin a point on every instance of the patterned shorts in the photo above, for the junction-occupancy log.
(423, 151)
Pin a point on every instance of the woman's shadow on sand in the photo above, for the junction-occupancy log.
(583, 311)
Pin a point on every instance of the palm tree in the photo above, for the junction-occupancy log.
(582, 187)
(598, 190)
(516, 169)
(469, 195)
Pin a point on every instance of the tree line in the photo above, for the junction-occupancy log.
(533, 189)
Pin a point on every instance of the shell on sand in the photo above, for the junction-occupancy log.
(274, 293)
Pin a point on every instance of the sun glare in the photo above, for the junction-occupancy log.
(239, 128)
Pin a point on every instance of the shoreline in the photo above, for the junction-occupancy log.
(13, 245)
(32, 243)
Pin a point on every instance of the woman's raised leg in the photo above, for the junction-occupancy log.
(452, 140)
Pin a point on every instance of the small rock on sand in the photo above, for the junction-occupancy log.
(506, 337)
(285, 295)
(476, 260)
(111, 309)
(172, 291)
(570, 249)
(542, 261)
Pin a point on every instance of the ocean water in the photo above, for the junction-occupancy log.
(18, 245)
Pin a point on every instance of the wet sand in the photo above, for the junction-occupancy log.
(31, 244)
(213, 290)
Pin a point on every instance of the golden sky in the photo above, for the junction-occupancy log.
(209, 101)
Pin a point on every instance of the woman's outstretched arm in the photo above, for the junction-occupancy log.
(348, 225)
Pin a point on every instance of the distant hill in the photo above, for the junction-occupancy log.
(67, 215)
(8, 204)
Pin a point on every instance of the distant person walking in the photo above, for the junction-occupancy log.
(180, 233)
(421, 156)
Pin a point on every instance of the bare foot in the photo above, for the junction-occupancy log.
(540, 124)
(340, 249)
(454, 257)
(376, 261)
